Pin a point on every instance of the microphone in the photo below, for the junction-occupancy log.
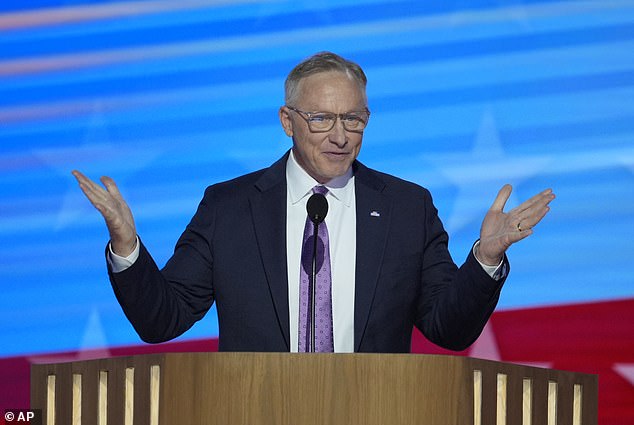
(317, 208)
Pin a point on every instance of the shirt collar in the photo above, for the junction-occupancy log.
(300, 183)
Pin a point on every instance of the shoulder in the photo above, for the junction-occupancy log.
(262, 180)
(390, 185)
(236, 185)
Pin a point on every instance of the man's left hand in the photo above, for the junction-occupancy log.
(500, 230)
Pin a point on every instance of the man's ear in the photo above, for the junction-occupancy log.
(285, 119)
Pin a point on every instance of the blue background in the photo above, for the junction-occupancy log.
(168, 97)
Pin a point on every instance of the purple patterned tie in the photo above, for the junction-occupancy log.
(323, 301)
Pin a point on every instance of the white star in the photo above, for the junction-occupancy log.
(480, 173)
(626, 370)
(628, 160)
(486, 347)
(93, 345)
(96, 156)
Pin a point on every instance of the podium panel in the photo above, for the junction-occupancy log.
(284, 388)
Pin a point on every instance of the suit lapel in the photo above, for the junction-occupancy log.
(268, 211)
(373, 220)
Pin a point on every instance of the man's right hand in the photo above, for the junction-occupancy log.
(114, 210)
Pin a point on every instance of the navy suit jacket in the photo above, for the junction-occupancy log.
(233, 252)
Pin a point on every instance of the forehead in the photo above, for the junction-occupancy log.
(331, 91)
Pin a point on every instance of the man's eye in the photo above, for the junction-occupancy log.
(319, 118)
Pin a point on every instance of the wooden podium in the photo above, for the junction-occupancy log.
(306, 389)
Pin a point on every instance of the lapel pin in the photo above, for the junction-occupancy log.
(375, 214)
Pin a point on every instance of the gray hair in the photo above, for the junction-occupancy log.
(321, 62)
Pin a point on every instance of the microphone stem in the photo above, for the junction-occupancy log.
(313, 281)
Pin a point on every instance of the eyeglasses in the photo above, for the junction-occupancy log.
(321, 122)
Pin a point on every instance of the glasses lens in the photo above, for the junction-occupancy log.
(354, 122)
(321, 121)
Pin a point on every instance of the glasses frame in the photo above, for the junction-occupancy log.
(306, 116)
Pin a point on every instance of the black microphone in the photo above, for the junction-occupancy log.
(317, 208)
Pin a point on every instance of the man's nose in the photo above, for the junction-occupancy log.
(338, 134)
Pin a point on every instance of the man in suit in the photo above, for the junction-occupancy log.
(384, 253)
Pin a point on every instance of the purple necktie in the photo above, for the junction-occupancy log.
(323, 301)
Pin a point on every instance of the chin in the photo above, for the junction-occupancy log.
(330, 171)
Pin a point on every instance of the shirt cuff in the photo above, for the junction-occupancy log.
(496, 272)
(119, 263)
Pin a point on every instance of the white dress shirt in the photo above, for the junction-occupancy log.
(341, 222)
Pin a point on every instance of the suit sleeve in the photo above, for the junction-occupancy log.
(162, 304)
(455, 302)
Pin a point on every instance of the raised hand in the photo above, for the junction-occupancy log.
(114, 210)
(500, 230)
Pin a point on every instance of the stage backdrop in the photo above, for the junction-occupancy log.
(168, 97)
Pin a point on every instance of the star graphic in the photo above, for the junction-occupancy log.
(481, 172)
(627, 159)
(95, 156)
(486, 347)
(93, 344)
(625, 370)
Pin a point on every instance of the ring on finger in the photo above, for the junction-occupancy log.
(519, 226)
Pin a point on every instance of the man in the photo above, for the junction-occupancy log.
(384, 264)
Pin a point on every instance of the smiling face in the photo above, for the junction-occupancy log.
(325, 156)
